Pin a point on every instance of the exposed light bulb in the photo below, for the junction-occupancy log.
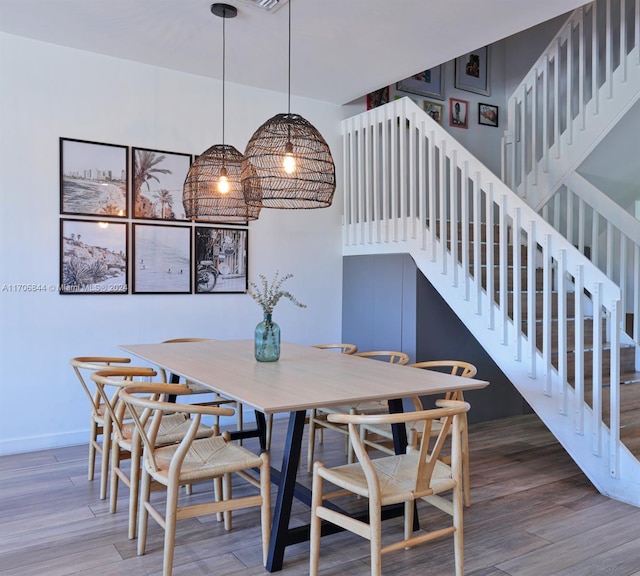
(289, 162)
(223, 181)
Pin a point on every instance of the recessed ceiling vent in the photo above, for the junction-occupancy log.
(268, 5)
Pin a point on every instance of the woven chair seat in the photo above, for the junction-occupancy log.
(172, 430)
(205, 457)
(198, 388)
(374, 407)
(397, 477)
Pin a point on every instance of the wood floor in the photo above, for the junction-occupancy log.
(533, 513)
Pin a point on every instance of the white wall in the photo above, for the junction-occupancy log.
(48, 92)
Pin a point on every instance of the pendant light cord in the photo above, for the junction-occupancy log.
(289, 70)
(224, 43)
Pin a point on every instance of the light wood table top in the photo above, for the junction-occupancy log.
(303, 378)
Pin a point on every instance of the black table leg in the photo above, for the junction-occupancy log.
(399, 430)
(284, 500)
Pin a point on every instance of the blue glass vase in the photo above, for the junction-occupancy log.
(267, 340)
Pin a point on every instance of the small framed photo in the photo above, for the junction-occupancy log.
(93, 178)
(487, 115)
(93, 257)
(458, 113)
(434, 110)
(158, 179)
(377, 98)
(221, 259)
(162, 259)
(473, 72)
(426, 83)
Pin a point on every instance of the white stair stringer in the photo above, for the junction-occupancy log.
(624, 485)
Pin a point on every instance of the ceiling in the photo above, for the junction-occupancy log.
(341, 49)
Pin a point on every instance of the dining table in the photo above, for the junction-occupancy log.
(303, 378)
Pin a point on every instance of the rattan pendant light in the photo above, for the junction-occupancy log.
(212, 189)
(287, 162)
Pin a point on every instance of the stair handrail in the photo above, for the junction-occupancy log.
(407, 181)
(583, 59)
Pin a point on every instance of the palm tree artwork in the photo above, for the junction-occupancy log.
(146, 169)
(165, 199)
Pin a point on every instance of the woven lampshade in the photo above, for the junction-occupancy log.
(264, 180)
(201, 199)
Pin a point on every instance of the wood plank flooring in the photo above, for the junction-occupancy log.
(533, 513)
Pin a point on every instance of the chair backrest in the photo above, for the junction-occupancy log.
(173, 378)
(150, 401)
(343, 347)
(119, 379)
(454, 367)
(92, 364)
(386, 355)
(423, 461)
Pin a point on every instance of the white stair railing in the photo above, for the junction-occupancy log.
(608, 235)
(579, 88)
(410, 187)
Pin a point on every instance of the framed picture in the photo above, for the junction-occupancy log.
(93, 257)
(377, 98)
(162, 259)
(426, 83)
(488, 115)
(473, 73)
(93, 178)
(158, 178)
(434, 110)
(221, 259)
(458, 113)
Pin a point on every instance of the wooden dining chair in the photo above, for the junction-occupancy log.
(99, 437)
(200, 389)
(318, 419)
(415, 477)
(381, 437)
(126, 444)
(192, 460)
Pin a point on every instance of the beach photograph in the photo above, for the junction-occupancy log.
(158, 179)
(93, 257)
(93, 178)
(162, 259)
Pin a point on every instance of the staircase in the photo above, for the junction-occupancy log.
(549, 317)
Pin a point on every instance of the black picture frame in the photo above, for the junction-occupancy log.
(157, 182)
(162, 255)
(426, 83)
(221, 260)
(487, 114)
(93, 178)
(93, 257)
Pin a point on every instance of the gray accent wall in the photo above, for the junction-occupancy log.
(389, 304)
